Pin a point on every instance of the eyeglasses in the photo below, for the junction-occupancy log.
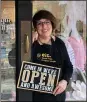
(39, 23)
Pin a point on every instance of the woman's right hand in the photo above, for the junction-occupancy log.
(34, 36)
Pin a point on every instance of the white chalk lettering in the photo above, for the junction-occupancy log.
(39, 69)
(30, 67)
(43, 77)
(36, 86)
(42, 87)
(49, 71)
(32, 85)
(51, 79)
(34, 75)
(25, 85)
(27, 74)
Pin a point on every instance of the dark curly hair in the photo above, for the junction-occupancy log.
(44, 14)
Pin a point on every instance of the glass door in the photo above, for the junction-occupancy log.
(7, 51)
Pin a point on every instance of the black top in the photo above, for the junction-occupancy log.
(55, 55)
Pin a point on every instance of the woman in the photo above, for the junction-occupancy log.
(45, 23)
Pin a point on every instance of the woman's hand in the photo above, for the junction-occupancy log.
(53, 37)
(34, 36)
(60, 87)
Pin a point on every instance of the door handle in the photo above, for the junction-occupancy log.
(26, 45)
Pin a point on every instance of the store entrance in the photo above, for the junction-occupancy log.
(23, 42)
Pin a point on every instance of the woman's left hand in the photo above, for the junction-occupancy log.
(60, 87)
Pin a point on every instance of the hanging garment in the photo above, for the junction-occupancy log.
(69, 50)
(80, 53)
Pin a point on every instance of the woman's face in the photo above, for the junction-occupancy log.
(44, 27)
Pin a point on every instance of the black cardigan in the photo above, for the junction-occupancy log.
(59, 53)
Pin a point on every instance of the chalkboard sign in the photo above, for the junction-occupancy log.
(38, 77)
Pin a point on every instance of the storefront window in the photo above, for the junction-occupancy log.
(72, 30)
(7, 58)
